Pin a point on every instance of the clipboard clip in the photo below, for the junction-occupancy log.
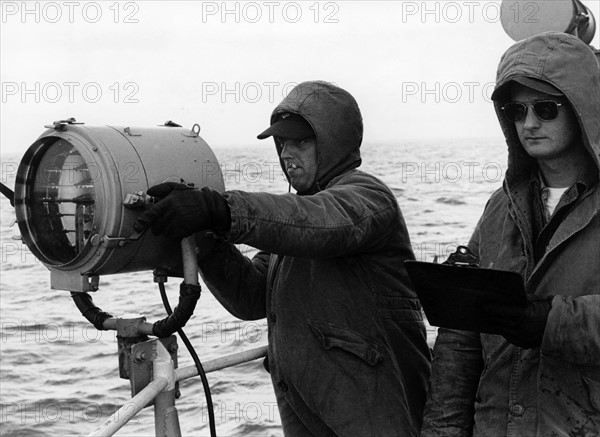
(463, 257)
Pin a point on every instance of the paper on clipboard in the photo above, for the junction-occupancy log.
(453, 297)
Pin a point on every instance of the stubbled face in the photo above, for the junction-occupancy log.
(300, 161)
(546, 139)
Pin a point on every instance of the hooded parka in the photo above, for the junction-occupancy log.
(347, 344)
(481, 384)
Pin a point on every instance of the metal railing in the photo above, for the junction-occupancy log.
(164, 378)
(150, 365)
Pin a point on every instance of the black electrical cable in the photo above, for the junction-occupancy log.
(188, 298)
(97, 317)
(8, 193)
(91, 312)
(192, 351)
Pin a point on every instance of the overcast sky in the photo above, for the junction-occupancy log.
(418, 69)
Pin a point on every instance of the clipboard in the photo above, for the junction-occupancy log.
(453, 296)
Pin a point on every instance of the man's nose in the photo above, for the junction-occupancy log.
(532, 121)
(287, 147)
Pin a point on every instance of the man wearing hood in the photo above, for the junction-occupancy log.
(541, 377)
(347, 345)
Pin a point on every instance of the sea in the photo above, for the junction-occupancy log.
(59, 376)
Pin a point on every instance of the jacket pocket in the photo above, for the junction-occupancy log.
(331, 336)
(592, 381)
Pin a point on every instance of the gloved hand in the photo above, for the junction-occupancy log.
(205, 243)
(183, 211)
(521, 326)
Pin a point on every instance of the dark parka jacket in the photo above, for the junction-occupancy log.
(481, 384)
(346, 336)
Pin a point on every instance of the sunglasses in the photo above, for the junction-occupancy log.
(545, 110)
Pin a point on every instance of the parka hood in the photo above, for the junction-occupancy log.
(336, 120)
(568, 64)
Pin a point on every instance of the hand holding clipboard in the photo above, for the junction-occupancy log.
(460, 295)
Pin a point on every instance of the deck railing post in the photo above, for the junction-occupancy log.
(160, 384)
(166, 419)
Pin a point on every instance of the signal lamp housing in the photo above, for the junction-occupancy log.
(79, 189)
(523, 19)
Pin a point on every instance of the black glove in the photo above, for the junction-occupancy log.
(205, 243)
(183, 211)
(521, 326)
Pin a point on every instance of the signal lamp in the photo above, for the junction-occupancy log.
(79, 189)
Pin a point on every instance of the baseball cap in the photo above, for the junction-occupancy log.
(289, 125)
(536, 84)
